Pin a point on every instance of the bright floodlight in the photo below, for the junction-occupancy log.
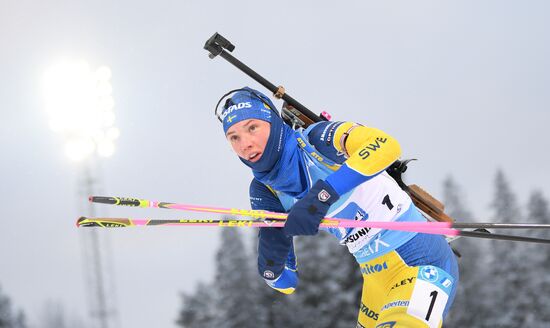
(80, 105)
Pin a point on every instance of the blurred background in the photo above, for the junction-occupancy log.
(463, 85)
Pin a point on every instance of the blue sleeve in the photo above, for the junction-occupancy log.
(322, 138)
(274, 247)
(346, 179)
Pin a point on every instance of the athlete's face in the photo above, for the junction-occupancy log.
(248, 138)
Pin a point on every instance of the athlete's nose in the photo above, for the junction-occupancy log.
(246, 144)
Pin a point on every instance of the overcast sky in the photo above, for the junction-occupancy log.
(463, 85)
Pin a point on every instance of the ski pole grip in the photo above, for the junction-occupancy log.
(124, 201)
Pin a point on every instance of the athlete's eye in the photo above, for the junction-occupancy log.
(252, 128)
(233, 138)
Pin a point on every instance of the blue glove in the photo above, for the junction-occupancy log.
(288, 280)
(306, 215)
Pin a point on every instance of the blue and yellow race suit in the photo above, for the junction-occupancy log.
(410, 279)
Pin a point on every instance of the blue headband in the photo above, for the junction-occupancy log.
(245, 104)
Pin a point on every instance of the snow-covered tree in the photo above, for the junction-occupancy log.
(473, 271)
(344, 283)
(508, 260)
(330, 283)
(537, 305)
(314, 290)
(505, 204)
(234, 302)
(228, 302)
(328, 292)
(274, 309)
(197, 310)
(502, 283)
(20, 320)
(6, 318)
(10, 318)
(454, 200)
(538, 212)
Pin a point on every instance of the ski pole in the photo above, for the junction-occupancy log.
(418, 227)
(443, 228)
(423, 227)
(137, 202)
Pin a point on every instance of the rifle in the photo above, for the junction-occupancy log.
(299, 116)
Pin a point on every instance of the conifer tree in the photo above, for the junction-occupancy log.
(234, 301)
(506, 280)
(537, 307)
(5, 311)
(20, 320)
(347, 284)
(197, 310)
(8, 317)
(470, 263)
(311, 294)
(330, 283)
(274, 308)
(538, 211)
(328, 292)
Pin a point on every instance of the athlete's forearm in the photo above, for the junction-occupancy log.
(273, 250)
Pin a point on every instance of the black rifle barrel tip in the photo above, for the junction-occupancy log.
(216, 44)
(223, 42)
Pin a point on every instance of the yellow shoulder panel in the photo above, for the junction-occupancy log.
(370, 150)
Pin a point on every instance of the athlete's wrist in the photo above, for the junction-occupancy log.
(306, 214)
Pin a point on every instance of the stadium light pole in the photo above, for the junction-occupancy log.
(80, 106)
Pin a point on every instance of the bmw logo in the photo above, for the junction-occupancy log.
(429, 273)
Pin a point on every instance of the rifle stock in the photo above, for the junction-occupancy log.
(428, 204)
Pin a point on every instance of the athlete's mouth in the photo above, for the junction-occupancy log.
(254, 157)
